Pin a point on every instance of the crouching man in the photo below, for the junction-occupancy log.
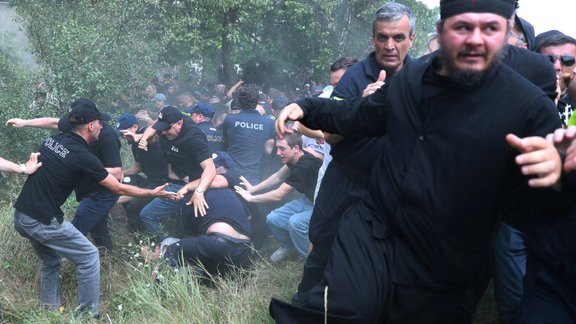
(222, 236)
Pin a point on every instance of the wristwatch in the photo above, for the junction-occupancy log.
(199, 190)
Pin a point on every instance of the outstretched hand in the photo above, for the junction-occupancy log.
(564, 139)
(249, 187)
(161, 193)
(16, 122)
(32, 164)
(538, 156)
(373, 87)
(243, 193)
(200, 204)
(128, 134)
(290, 113)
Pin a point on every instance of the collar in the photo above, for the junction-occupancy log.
(249, 111)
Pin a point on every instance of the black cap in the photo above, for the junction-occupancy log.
(81, 111)
(202, 109)
(449, 8)
(166, 117)
(279, 103)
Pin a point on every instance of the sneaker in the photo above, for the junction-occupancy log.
(281, 254)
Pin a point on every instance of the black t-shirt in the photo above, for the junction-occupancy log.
(304, 174)
(152, 161)
(106, 149)
(187, 151)
(65, 162)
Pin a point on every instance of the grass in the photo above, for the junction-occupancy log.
(131, 291)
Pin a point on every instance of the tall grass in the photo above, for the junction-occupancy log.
(136, 291)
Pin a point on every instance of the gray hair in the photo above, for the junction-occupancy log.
(393, 11)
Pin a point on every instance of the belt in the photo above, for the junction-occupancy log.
(232, 241)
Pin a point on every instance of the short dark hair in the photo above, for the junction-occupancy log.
(248, 96)
(343, 63)
(293, 139)
(393, 11)
(552, 38)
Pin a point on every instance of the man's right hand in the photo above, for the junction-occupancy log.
(16, 122)
(292, 112)
(159, 192)
(249, 187)
(143, 144)
(373, 87)
(128, 134)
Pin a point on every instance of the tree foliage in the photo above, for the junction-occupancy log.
(102, 48)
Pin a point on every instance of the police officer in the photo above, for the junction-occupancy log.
(248, 135)
(188, 157)
(151, 163)
(67, 161)
(202, 114)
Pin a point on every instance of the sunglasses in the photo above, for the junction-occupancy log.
(566, 60)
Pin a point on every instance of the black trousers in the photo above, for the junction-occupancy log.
(135, 205)
(216, 252)
(547, 297)
(359, 287)
(338, 191)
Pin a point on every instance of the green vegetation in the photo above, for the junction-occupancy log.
(100, 49)
(136, 291)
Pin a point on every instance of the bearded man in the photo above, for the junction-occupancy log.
(408, 253)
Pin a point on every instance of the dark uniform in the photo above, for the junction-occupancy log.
(216, 251)
(95, 200)
(424, 231)
(184, 154)
(346, 179)
(245, 134)
(213, 136)
(66, 162)
(153, 164)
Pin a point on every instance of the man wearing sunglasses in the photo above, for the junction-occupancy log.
(561, 50)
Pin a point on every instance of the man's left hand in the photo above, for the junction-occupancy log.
(538, 156)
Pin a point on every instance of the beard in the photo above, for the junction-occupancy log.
(466, 78)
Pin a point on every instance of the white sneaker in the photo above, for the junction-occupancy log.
(280, 254)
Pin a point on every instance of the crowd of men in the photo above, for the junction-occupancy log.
(406, 188)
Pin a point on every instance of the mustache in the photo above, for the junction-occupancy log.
(471, 51)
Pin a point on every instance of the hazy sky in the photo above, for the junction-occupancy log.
(543, 14)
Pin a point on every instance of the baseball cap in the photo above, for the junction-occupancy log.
(160, 97)
(279, 103)
(166, 117)
(201, 108)
(126, 121)
(83, 111)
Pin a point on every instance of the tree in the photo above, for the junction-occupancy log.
(102, 48)
(95, 49)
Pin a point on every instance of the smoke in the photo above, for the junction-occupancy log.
(13, 40)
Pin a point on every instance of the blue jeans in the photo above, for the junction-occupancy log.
(289, 224)
(159, 208)
(92, 216)
(510, 268)
(51, 242)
